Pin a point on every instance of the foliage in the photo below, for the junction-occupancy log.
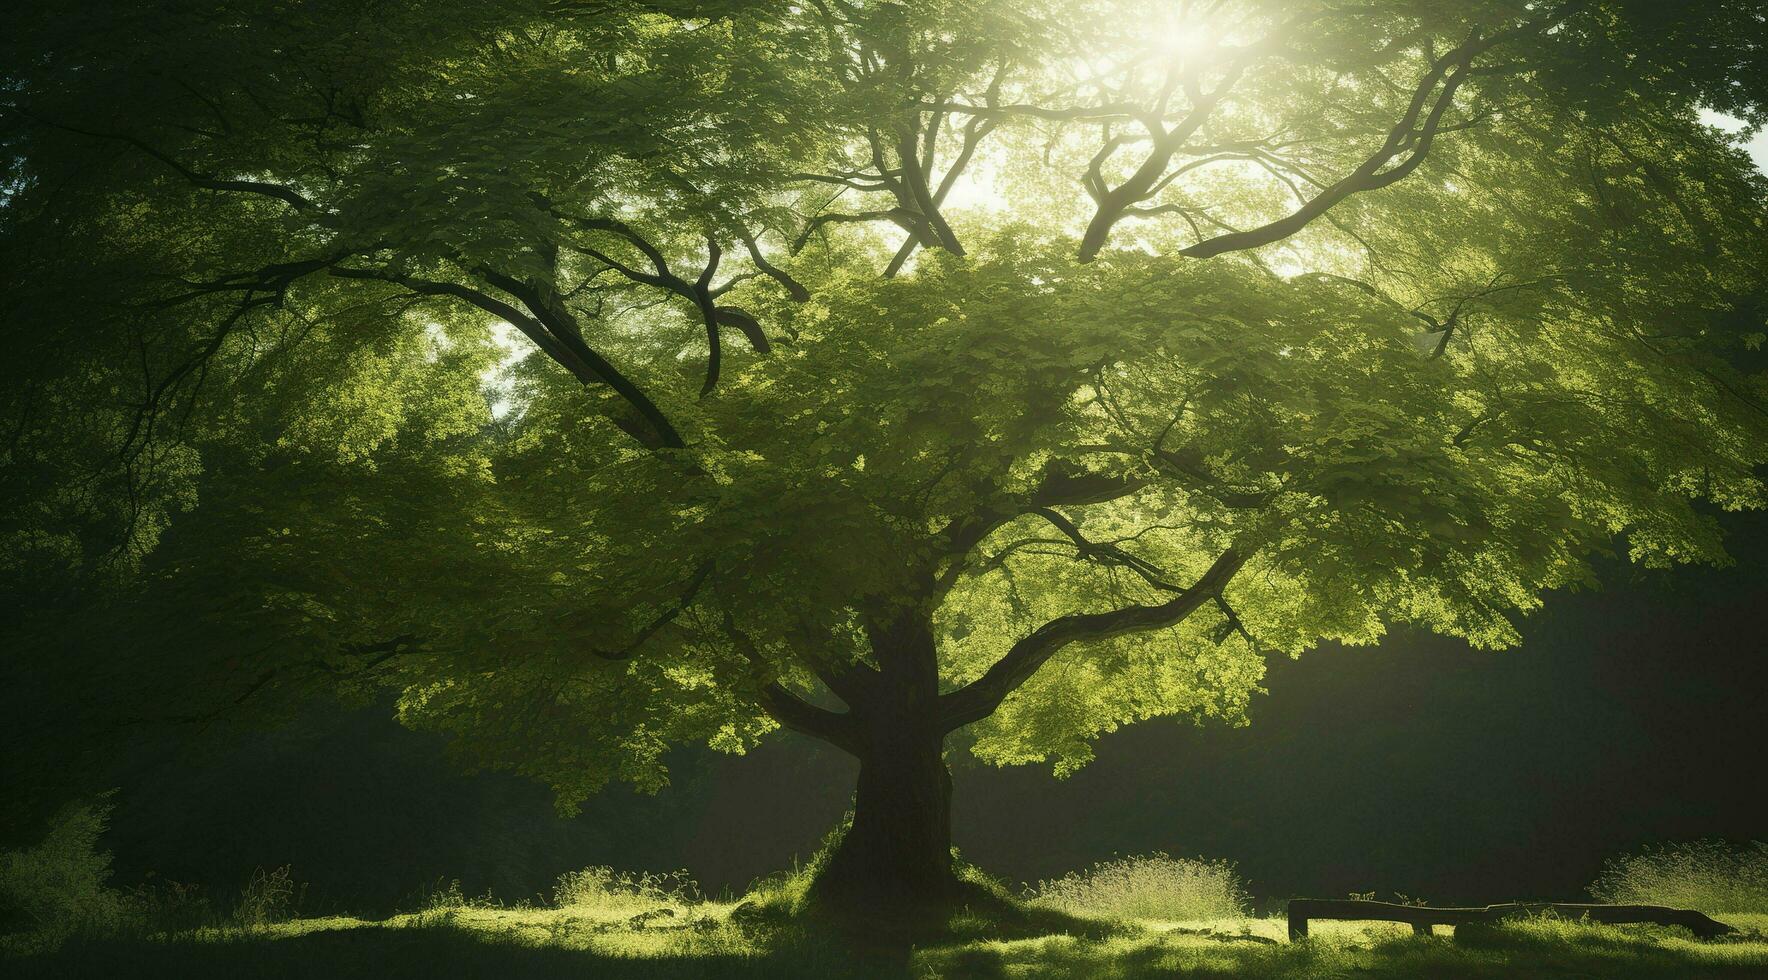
(1709, 875)
(1152, 886)
(833, 383)
(59, 887)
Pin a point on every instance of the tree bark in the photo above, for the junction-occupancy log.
(895, 859)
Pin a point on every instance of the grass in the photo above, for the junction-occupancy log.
(1255, 948)
(1139, 917)
(1712, 876)
(511, 943)
(1154, 887)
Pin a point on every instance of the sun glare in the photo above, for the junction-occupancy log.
(1184, 39)
(1184, 33)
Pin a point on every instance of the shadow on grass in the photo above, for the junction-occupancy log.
(1538, 949)
(1552, 949)
(428, 952)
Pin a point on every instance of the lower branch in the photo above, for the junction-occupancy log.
(563, 328)
(790, 710)
(799, 715)
(981, 697)
(209, 182)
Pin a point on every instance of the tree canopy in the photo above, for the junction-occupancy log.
(605, 375)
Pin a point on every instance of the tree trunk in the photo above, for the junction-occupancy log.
(895, 860)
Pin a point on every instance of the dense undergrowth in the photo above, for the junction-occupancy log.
(1130, 917)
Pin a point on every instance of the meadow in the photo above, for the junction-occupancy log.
(710, 942)
(1147, 916)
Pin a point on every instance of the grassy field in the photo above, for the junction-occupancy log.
(1147, 916)
(707, 942)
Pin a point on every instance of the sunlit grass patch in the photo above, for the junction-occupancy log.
(1630, 950)
(705, 931)
(1123, 919)
(1249, 948)
(609, 893)
(538, 941)
(1148, 887)
(1750, 923)
(599, 910)
(1708, 875)
(302, 927)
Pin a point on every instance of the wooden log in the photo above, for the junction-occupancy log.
(1422, 917)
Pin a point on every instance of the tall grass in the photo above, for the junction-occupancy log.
(1152, 886)
(1708, 875)
(605, 891)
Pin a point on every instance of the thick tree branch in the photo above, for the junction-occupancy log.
(709, 313)
(1407, 145)
(529, 327)
(919, 193)
(974, 132)
(1064, 486)
(205, 181)
(790, 710)
(1145, 180)
(545, 306)
(910, 182)
(1408, 137)
(554, 331)
(856, 181)
(1106, 552)
(667, 279)
(799, 715)
(793, 287)
(982, 696)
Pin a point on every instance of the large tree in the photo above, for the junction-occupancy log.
(882, 371)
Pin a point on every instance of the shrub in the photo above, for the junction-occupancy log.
(1153, 886)
(53, 890)
(1708, 875)
(269, 897)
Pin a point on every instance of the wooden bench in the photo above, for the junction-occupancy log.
(1422, 917)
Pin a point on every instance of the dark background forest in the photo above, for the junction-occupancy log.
(1628, 716)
